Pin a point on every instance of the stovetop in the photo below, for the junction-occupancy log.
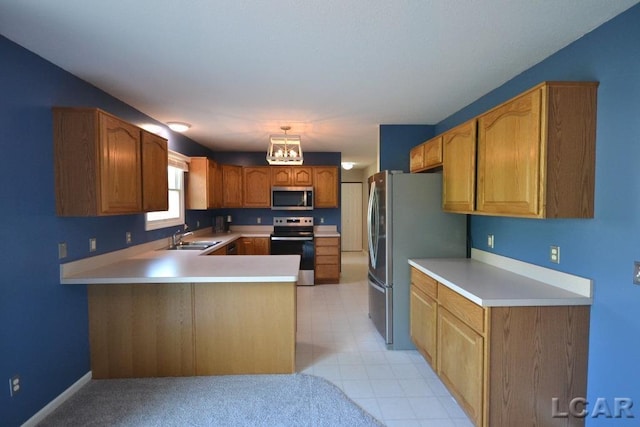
(292, 226)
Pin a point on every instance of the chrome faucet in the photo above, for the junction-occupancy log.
(177, 237)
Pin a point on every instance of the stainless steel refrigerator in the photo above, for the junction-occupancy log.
(405, 220)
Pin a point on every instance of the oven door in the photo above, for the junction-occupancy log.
(303, 246)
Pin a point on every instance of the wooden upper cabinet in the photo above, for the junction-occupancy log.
(256, 182)
(155, 180)
(416, 158)
(325, 184)
(231, 186)
(536, 153)
(459, 168)
(426, 156)
(302, 176)
(98, 168)
(203, 188)
(282, 176)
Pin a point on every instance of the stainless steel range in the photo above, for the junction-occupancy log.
(294, 236)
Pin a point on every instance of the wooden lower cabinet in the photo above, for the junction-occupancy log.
(503, 365)
(254, 246)
(423, 311)
(327, 260)
(460, 363)
(176, 329)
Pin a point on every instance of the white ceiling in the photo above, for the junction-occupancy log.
(331, 69)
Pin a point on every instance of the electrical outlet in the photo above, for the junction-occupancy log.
(490, 240)
(259, 220)
(62, 250)
(321, 220)
(636, 272)
(14, 385)
(197, 224)
(554, 254)
(92, 244)
(127, 237)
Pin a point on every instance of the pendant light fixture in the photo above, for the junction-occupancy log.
(284, 149)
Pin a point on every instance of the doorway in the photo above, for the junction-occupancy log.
(351, 206)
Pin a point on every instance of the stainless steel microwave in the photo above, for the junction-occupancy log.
(292, 198)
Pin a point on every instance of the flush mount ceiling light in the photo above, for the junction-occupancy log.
(347, 165)
(178, 126)
(284, 149)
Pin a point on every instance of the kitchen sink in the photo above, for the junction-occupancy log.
(197, 245)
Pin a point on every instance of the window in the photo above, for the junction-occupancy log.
(175, 214)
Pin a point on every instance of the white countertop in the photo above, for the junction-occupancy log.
(488, 285)
(163, 266)
(151, 263)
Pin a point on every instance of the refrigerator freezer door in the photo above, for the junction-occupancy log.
(381, 309)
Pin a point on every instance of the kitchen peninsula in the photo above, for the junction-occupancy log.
(179, 313)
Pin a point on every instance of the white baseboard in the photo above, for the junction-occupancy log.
(51, 406)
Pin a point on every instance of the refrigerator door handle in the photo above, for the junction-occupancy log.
(373, 228)
(376, 286)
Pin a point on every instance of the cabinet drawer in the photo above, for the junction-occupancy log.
(327, 250)
(327, 271)
(326, 259)
(467, 311)
(426, 284)
(327, 241)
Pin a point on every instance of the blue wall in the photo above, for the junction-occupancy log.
(43, 325)
(397, 140)
(603, 248)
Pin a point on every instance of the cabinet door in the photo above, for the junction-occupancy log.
(256, 187)
(200, 191)
(460, 362)
(416, 158)
(325, 184)
(302, 176)
(423, 320)
(120, 166)
(459, 168)
(217, 187)
(281, 176)
(433, 153)
(509, 157)
(155, 187)
(261, 245)
(232, 186)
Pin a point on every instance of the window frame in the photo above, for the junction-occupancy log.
(178, 165)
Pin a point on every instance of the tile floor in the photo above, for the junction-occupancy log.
(337, 341)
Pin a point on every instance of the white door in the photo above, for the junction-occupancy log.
(351, 205)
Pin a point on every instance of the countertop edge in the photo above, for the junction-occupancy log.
(578, 299)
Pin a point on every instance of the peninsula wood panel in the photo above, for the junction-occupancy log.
(245, 328)
(141, 330)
